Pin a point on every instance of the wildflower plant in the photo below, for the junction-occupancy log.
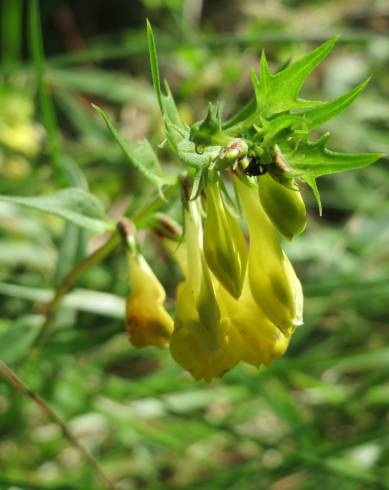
(240, 299)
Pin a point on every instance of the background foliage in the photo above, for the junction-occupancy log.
(319, 416)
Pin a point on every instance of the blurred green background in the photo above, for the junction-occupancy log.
(317, 418)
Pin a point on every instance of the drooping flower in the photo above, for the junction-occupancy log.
(203, 342)
(224, 243)
(273, 281)
(148, 322)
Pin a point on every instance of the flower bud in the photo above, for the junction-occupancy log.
(148, 322)
(273, 282)
(285, 207)
(236, 149)
(224, 243)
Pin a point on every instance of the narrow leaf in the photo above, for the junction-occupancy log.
(174, 126)
(46, 103)
(198, 180)
(73, 204)
(154, 63)
(325, 112)
(141, 157)
(311, 181)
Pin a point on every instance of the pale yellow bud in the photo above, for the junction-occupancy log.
(148, 322)
(285, 207)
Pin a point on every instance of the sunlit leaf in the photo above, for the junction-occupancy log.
(142, 156)
(279, 92)
(73, 204)
(325, 112)
(313, 159)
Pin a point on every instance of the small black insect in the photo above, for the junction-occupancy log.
(255, 167)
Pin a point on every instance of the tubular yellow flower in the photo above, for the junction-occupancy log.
(148, 322)
(202, 342)
(224, 243)
(260, 340)
(285, 207)
(273, 282)
(192, 346)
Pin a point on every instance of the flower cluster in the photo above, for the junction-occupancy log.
(238, 301)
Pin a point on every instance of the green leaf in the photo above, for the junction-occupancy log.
(175, 128)
(142, 157)
(313, 159)
(49, 117)
(209, 130)
(198, 182)
(279, 92)
(325, 112)
(72, 204)
(17, 338)
(154, 63)
(279, 124)
(311, 181)
(96, 302)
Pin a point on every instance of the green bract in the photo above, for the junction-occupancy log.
(275, 125)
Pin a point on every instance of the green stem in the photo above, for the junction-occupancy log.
(12, 378)
(138, 219)
(96, 257)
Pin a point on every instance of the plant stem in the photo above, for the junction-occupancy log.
(97, 256)
(12, 378)
(72, 277)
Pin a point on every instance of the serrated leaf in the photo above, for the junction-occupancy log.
(279, 92)
(325, 112)
(209, 130)
(313, 159)
(72, 204)
(283, 122)
(175, 128)
(142, 157)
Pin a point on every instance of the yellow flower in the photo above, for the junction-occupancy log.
(260, 340)
(202, 343)
(224, 243)
(273, 281)
(148, 322)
